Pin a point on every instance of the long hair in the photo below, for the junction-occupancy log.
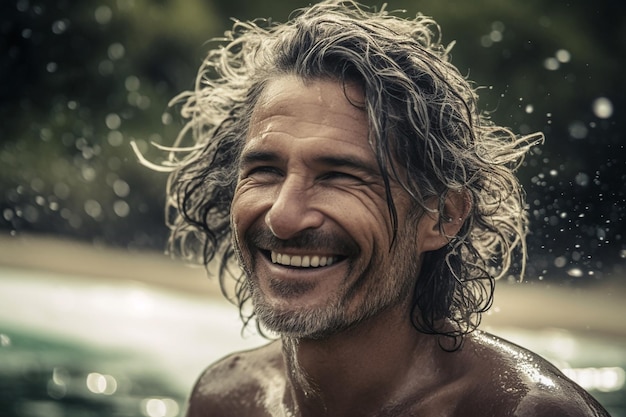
(425, 129)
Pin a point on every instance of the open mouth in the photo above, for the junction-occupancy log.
(302, 261)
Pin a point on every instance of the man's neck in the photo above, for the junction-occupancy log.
(368, 365)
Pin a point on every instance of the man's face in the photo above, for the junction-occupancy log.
(310, 220)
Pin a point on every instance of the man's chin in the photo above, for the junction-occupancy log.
(300, 324)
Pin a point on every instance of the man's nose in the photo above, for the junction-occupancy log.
(292, 212)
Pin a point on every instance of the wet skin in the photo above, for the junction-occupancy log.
(312, 230)
(487, 377)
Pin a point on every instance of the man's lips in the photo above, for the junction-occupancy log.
(303, 261)
(308, 250)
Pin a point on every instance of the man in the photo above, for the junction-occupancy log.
(341, 161)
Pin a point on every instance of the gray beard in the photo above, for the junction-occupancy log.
(384, 289)
(330, 319)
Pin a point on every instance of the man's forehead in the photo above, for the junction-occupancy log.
(289, 94)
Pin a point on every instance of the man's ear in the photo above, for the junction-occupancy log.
(437, 229)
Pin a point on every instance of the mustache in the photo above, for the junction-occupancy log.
(310, 239)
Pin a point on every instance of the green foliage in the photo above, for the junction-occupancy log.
(82, 80)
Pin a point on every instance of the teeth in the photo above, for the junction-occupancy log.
(305, 261)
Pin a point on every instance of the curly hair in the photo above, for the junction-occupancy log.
(423, 122)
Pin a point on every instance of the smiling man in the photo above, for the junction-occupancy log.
(340, 162)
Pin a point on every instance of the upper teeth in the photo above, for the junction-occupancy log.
(303, 261)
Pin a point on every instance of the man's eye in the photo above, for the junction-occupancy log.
(263, 171)
(340, 176)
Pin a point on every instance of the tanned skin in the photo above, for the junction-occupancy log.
(347, 346)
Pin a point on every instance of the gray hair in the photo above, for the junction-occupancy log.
(423, 121)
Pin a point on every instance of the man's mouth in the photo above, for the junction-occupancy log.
(303, 261)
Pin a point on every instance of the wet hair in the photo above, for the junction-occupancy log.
(425, 129)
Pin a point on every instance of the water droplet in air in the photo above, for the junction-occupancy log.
(93, 208)
(575, 272)
(602, 108)
(22, 5)
(103, 15)
(59, 26)
(563, 56)
(578, 130)
(560, 261)
(121, 208)
(105, 67)
(113, 121)
(116, 51)
(121, 188)
(582, 179)
(551, 64)
(8, 215)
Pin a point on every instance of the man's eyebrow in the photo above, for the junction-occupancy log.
(252, 157)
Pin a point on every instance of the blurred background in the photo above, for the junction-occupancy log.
(95, 320)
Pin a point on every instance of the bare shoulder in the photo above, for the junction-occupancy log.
(240, 384)
(518, 382)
